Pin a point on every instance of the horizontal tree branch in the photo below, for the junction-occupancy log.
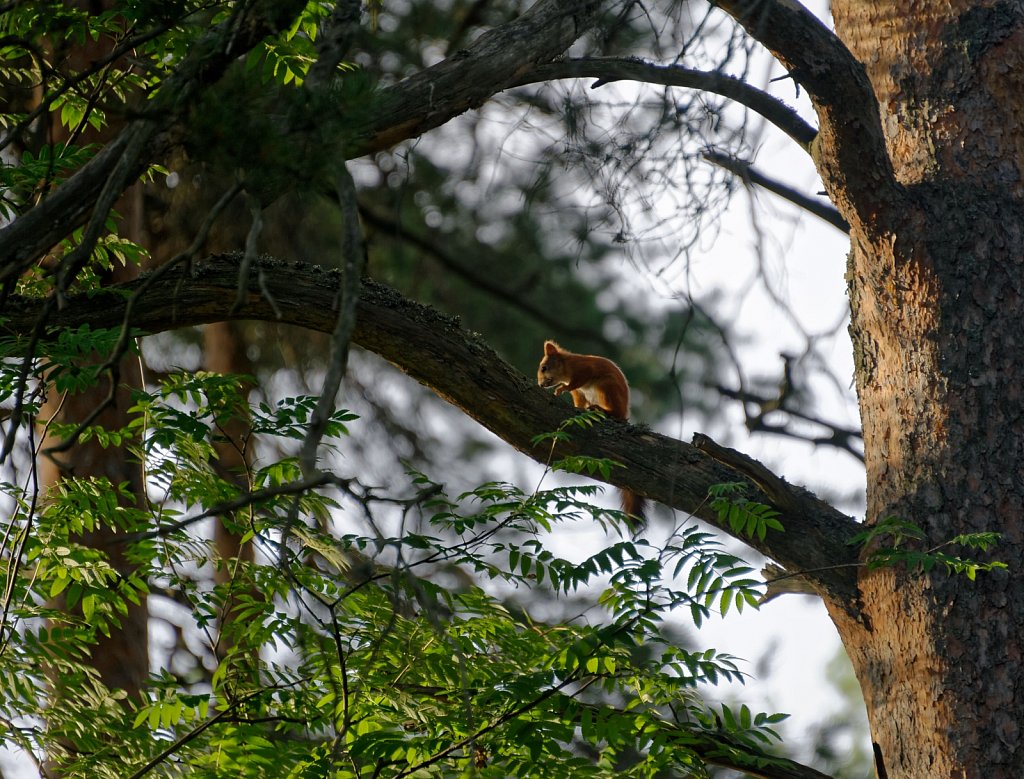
(609, 69)
(459, 367)
(464, 80)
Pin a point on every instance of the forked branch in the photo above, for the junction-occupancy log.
(850, 150)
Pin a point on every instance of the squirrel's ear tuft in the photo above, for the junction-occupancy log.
(550, 347)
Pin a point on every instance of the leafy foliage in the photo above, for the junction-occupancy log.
(901, 533)
(392, 648)
(742, 515)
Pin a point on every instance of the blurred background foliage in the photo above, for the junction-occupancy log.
(556, 210)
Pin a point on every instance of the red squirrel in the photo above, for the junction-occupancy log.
(595, 383)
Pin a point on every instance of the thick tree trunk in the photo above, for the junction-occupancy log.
(936, 293)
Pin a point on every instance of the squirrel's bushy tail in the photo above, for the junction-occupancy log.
(633, 505)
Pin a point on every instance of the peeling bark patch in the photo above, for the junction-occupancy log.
(905, 676)
(965, 41)
(949, 78)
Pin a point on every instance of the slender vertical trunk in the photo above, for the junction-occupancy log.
(121, 658)
(224, 352)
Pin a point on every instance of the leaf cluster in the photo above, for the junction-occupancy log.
(889, 543)
(395, 648)
(743, 516)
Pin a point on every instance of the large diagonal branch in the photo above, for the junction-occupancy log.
(459, 367)
(609, 69)
(495, 61)
(850, 149)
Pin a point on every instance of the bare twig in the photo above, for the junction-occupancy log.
(251, 245)
(353, 261)
(513, 298)
(750, 175)
(836, 435)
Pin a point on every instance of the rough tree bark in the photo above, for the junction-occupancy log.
(935, 282)
(936, 290)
